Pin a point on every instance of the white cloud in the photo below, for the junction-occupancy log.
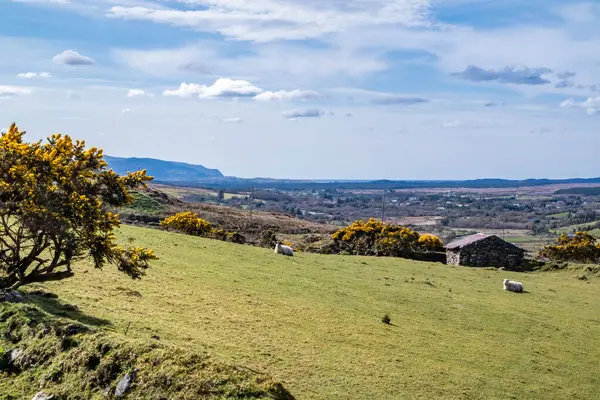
(274, 62)
(310, 113)
(566, 75)
(71, 57)
(593, 111)
(592, 105)
(138, 93)
(234, 120)
(452, 124)
(185, 90)
(400, 100)
(126, 110)
(267, 20)
(222, 88)
(565, 83)
(288, 95)
(12, 91)
(29, 75)
(514, 75)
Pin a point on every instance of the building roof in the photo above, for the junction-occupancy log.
(468, 240)
(464, 241)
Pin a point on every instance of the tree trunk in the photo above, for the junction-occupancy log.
(54, 276)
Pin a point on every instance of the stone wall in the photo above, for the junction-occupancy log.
(489, 252)
(453, 257)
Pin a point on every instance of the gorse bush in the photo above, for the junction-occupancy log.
(374, 238)
(189, 223)
(581, 247)
(430, 242)
(268, 238)
(53, 199)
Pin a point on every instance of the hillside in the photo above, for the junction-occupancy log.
(162, 170)
(314, 322)
(62, 358)
(585, 191)
(152, 205)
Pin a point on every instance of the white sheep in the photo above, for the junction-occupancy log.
(280, 248)
(513, 286)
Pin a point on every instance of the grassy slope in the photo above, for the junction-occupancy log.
(69, 361)
(313, 321)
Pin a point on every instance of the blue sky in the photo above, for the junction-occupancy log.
(347, 89)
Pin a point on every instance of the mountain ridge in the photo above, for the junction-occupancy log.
(163, 170)
(185, 174)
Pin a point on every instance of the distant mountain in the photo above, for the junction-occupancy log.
(182, 174)
(290, 184)
(168, 171)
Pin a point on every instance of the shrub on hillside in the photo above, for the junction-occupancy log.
(53, 200)
(430, 243)
(219, 234)
(374, 238)
(397, 243)
(581, 247)
(268, 238)
(236, 237)
(189, 223)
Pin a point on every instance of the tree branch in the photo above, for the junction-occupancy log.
(55, 276)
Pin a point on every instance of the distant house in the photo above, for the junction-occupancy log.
(480, 250)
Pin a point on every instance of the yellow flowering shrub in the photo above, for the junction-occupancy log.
(581, 247)
(52, 197)
(373, 237)
(189, 223)
(431, 243)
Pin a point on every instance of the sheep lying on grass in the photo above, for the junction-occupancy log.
(513, 286)
(283, 249)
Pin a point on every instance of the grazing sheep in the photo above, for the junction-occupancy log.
(283, 249)
(513, 286)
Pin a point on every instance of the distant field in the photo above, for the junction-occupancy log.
(314, 321)
(528, 190)
(571, 228)
(415, 221)
(559, 215)
(179, 192)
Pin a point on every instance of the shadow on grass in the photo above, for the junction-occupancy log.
(531, 265)
(57, 308)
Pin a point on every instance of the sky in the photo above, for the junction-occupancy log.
(314, 89)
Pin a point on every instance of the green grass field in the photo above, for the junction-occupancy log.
(314, 322)
(571, 228)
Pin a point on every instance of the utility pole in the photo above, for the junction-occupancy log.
(383, 206)
(251, 200)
